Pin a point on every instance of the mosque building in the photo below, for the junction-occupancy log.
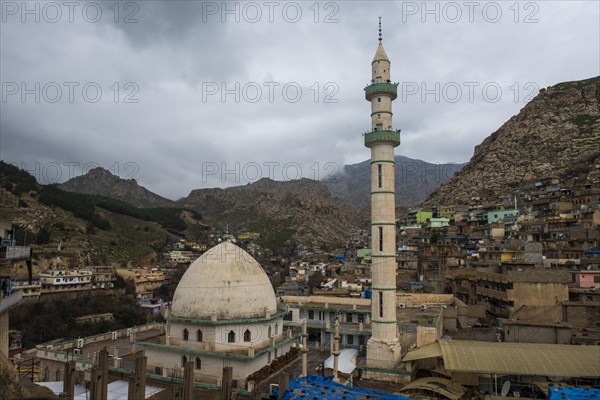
(224, 312)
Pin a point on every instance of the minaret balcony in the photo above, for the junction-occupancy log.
(388, 89)
(375, 137)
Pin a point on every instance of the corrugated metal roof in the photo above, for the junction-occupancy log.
(427, 351)
(521, 358)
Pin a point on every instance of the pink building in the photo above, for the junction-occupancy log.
(585, 279)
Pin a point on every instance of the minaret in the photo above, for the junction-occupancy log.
(383, 348)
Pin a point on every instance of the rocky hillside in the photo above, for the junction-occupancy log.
(415, 180)
(80, 229)
(556, 133)
(284, 213)
(100, 181)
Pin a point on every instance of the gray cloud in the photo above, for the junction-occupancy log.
(178, 51)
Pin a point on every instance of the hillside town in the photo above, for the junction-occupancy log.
(283, 290)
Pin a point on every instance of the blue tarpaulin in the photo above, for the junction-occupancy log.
(565, 393)
(317, 387)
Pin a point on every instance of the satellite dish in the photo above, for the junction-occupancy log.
(505, 389)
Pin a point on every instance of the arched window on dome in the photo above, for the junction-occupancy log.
(231, 337)
(198, 363)
(276, 329)
(183, 361)
(269, 330)
(247, 335)
(185, 335)
(198, 335)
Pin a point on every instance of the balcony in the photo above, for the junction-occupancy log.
(389, 89)
(493, 277)
(494, 294)
(9, 253)
(374, 137)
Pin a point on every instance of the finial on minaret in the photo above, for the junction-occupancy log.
(380, 30)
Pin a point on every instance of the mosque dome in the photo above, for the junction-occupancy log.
(225, 282)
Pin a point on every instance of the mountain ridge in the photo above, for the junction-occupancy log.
(100, 181)
(414, 179)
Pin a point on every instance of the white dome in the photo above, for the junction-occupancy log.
(227, 282)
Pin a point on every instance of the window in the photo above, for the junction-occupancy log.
(198, 363)
(183, 361)
(287, 316)
(379, 99)
(381, 238)
(350, 339)
(277, 328)
(348, 317)
(379, 176)
(269, 331)
(380, 304)
(57, 375)
(198, 335)
(378, 116)
(247, 335)
(231, 337)
(269, 358)
(361, 317)
(311, 315)
(186, 335)
(157, 371)
(597, 279)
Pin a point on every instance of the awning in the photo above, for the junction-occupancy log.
(346, 361)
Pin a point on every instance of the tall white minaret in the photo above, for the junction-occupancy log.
(383, 348)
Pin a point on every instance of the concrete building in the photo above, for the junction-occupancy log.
(383, 348)
(438, 222)
(534, 287)
(585, 279)
(145, 281)
(64, 280)
(103, 276)
(418, 217)
(224, 310)
(501, 215)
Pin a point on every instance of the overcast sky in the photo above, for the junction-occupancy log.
(183, 95)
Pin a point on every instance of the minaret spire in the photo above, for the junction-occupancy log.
(383, 348)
